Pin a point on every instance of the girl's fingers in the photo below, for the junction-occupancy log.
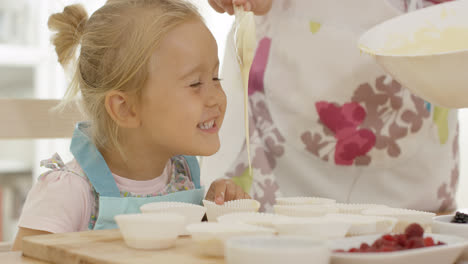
(239, 193)
(231, 191)
(220, 191)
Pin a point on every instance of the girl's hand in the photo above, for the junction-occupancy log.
(225, 190)
(259, 7)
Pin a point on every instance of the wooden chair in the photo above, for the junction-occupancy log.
(35, 119)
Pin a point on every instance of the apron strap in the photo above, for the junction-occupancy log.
(92, 162)
(194, 170)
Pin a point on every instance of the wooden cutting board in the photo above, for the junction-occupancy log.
(107, 247)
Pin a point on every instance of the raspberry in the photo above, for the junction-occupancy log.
(401, 240)
(364, 247)
(378, 243)
(414, 230)
(387, 249)
(428, 242)
(415, 242)
(388, 237)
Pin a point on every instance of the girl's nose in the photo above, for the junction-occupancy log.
(215, 96)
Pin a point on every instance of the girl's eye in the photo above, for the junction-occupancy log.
(216, 79)
(196, 84)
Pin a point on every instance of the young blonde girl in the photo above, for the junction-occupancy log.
(147, 73)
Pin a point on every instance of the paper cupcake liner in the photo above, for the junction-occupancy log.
(356, 208)
(305, 210)
(193, 213)
(303, 201)
(365, 224)
(143, 231)
(245, 205)
(258, 219)
(405, 217)
(210, 237)
(320, 228)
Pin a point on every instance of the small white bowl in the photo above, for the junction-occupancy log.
(317, 227)
(438, 77)
(441, 225)
(276, 250)
(150, 231)
(303, 201)
(258, 219)
(210, 237)
(236, 206)
(193, 213)
(305, 210)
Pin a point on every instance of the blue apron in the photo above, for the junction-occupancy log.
(110, 201)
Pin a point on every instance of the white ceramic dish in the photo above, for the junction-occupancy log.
(258, 219)
(213, 211)
(444, 254)
(150, 231)
(193, 213)
(439, 78)
(303, 201)
(320, 228)
(210, 237)
(276, 250)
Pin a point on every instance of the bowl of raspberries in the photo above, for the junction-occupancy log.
(413, 246)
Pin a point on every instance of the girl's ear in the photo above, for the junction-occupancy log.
(121, 109)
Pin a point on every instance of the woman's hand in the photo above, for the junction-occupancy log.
(225, 190)
(259, 7)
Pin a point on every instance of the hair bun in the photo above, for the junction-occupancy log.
(69, 25)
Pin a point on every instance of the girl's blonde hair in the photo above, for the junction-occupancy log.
(117, 42)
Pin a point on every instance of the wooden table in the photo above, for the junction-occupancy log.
(101, 247)
(17, 257)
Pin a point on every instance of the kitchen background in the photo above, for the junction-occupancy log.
(28, 69)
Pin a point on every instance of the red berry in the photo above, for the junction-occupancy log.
(378, 243)
(364, 246)
(401, 240)
(414, 230)
(354, 250)
(415, 242)
(428, 242)
(387, 249)
(388, 237)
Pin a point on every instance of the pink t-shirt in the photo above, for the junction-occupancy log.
(63, 201)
